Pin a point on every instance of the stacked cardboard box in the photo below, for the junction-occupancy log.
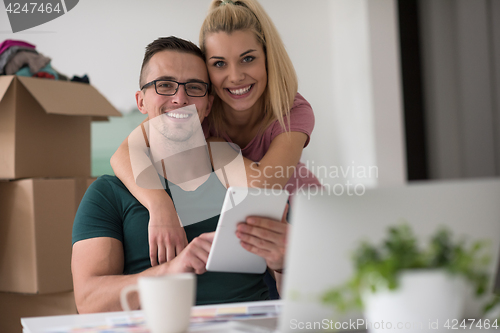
(44, 171)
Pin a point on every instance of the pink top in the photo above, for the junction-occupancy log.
(301, 120)
(11, 42)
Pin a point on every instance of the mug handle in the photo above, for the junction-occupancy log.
(123, 296)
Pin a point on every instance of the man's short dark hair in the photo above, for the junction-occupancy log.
(169, 43)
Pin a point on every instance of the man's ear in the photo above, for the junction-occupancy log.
(139, 99)
(209, 105)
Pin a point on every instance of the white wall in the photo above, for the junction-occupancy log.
(106, 39)
(366, 113)
(345, 53)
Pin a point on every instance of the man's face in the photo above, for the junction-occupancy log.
(177, 117)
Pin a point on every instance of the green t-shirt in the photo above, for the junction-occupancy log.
(108, 209)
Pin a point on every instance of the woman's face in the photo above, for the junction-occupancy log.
(237, 67)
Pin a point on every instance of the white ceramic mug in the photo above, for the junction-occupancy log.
(165, 300)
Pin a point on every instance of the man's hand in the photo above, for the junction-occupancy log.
(193, 258)
(265, 238)
(167, 237)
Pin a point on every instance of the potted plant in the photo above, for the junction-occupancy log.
(409, 288)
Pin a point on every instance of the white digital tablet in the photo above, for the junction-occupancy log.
(227, 254)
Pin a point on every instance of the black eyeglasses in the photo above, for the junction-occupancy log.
(169, 88)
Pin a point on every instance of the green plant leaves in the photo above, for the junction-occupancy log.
(378, 266)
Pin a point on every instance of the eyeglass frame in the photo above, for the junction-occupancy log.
(178, 85)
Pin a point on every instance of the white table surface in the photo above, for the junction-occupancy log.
(44, 324)
(250, 325)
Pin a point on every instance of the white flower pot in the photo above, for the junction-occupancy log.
(423, 301)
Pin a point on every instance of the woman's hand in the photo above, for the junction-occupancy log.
(266, 238)
(167, 237)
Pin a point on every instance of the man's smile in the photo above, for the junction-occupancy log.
(177, 115)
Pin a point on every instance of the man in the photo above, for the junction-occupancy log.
(110, 233)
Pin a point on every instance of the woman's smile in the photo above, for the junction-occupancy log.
(237, 67)
(240, 92)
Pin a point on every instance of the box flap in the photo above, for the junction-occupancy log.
(5, 82)
(68, 98)
(98, 118)
(7, 128)
(49, 145)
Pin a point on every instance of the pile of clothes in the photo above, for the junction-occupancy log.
(21, 58)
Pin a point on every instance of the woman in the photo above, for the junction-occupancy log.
(256, 106)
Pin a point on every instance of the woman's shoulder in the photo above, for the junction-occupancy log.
(299, 119)
(300, 102)
(300, 109)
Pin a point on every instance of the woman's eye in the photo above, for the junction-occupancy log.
(218, 64)
(248, 59)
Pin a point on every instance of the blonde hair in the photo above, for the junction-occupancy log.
(229, 16)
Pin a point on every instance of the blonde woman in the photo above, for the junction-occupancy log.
(256, 106)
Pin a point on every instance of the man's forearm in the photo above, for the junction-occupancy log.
(102, 293)
(97, 265)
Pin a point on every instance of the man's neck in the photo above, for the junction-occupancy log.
(162, 147)
(181, 161)
(192, 166)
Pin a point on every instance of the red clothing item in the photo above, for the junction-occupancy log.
(44, 75)
(301, 120)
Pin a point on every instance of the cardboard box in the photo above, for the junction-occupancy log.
(13, 307)
(45, 127)
(36, 221)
